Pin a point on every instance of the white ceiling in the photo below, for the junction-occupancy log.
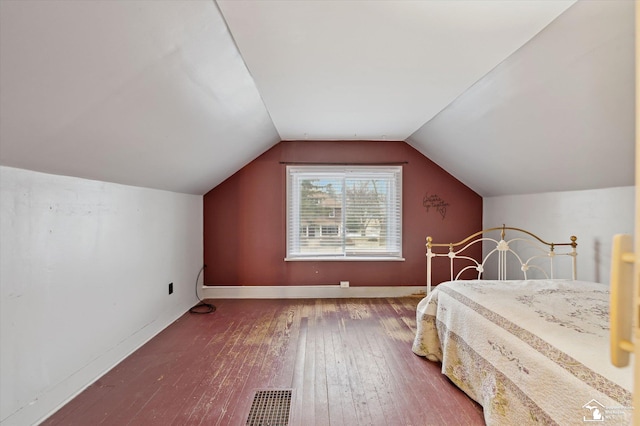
(179, 95)
(557, 115)
(376, 69)
(145, 93)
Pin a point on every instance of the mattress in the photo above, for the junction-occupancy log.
(531, 351)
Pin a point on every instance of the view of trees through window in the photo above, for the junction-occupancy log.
(342, 214)
(344, 211)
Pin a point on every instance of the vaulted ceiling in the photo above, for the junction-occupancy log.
(508, 96)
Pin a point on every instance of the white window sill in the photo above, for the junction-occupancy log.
(345, 258)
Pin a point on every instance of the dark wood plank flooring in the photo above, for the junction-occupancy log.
(348, 361)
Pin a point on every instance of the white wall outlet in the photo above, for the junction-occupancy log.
(344, 284)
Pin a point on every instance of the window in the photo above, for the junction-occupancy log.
(344, 212)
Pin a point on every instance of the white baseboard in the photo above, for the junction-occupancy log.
(306, 292)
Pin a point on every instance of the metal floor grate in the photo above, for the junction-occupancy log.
(270, 408)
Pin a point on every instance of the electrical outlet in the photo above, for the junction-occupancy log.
(170, 288)
(344, 284)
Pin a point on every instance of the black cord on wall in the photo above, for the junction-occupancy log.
(202, 307)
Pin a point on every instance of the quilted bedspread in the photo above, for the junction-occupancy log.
(529, 352)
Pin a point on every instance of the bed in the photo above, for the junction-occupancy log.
(531, 349)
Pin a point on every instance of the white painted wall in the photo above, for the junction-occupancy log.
(594, 216)
(84, 272)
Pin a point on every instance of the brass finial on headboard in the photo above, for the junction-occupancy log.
(573, 241)
(429, 240)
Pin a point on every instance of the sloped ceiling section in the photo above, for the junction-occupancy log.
(375, 70)
(509, 96)
(145, 93)
(556, 115)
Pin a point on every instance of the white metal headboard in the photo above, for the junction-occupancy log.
(502, 247)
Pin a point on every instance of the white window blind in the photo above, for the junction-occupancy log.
(344, 212)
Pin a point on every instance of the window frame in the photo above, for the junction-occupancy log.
(392, 173)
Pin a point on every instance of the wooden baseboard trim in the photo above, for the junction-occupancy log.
(306, 292)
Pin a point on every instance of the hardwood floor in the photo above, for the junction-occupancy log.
(348, 362)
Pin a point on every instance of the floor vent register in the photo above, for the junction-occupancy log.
(270, 408)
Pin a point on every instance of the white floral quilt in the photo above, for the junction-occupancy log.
(530, 352)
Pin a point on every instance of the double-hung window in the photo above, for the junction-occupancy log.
(344, 212)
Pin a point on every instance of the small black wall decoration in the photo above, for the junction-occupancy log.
(436, 202)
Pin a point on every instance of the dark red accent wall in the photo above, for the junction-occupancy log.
(245, 219)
